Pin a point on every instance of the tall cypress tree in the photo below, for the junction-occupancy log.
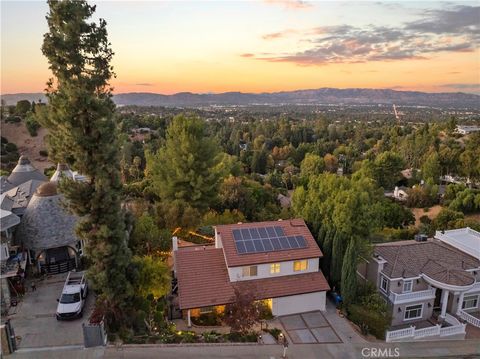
(83, 134)
(338, 251)
(349, 273)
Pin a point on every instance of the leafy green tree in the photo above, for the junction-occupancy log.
(311, 165)
(431, 169)
(79, 116)
(340, 243)
(387, 169)
(259, 161)
(147, 238)
(349, 273)
(183, 169)
(447, 218)
(152, 276)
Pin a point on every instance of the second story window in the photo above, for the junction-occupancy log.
(384, 284)
(407, 286)
(250, 271)
(274, 268)
(299, 266)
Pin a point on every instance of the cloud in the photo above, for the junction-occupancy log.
(290, 4)
(247, 55)
(144, 84)
(456, 29)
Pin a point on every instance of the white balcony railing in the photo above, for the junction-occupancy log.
(411, 333)
(412, 296)
(469, 318)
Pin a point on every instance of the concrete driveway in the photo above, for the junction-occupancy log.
(309, 328)
(34, 322)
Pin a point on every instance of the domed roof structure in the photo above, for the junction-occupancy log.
(46, 223)
(24, 171)
(62, 171)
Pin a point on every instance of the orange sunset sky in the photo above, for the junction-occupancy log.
(263, 46)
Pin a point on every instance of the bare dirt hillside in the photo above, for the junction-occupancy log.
(27, 145)
(419, 212)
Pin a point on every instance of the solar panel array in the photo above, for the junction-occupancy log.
(265, 239)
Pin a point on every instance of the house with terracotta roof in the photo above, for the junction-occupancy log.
(431, 287)
(277, 260)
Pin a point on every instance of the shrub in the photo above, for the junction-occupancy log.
(13, 119)
(369, 320)
(4, 140)
(43, 153)
(275, 332)
(237, 337)
(32, 126)
(207, 319)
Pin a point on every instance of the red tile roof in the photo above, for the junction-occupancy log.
(293, 227)
(203, 280)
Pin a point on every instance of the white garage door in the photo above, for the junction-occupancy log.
(298, 303)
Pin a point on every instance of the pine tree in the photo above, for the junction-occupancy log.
(83, 134)
(327, 250)
(184, 169)
(349, 273)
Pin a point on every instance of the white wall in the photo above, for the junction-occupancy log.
(298, 303)
(263, 270)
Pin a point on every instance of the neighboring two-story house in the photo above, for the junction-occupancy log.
(278, 260)
(427, 281)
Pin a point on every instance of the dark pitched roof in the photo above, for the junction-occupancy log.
(293, 227)
(203, 280)
(437, 260)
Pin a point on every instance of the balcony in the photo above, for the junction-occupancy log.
(398, 298)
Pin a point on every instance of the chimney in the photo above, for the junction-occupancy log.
(174, 243)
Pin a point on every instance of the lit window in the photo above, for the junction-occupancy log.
(274, 268)
(413, 312)
(470, 302)
(384, 284)
(204, 310)
(250, 271)
(300, 265)
(407, 286)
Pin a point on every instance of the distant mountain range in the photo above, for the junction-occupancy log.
(353, 96)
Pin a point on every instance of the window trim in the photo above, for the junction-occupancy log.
(249, 270)
(410, 282)
(383, 278)
(300, 262)
(275, 268)
(407, 311)
(471, 297)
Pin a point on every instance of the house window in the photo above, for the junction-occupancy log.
(384, 284)
(274, 268)
(299, 266)
(407, 286)
(205, 310)
(250, 271)
(413, 312)
(470, 302)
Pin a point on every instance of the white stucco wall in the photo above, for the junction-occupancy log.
(298, 303)
(263, 270)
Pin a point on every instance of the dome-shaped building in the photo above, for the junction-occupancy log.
(47, 230)
(24, 171)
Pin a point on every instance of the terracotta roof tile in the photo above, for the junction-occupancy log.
(203, 280)
(291, 227)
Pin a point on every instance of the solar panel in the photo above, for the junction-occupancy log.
(301, 241)
(240, 247)
(279, 231)
(258, 246)
(265, 239)
(271, 232)
(254, 233)
(249, 246)
(246, 234)
(293, 243)
(237, 235)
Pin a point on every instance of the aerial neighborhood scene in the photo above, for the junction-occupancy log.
(240, 179)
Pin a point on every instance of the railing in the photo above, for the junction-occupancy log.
(411, 333)
(453, 330)
(400, 334)
(412, 296)
(469, 318)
